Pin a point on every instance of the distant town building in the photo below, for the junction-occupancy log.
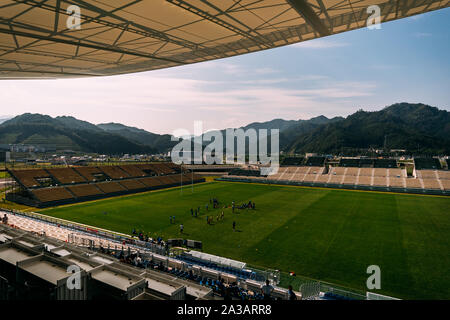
(5, 156)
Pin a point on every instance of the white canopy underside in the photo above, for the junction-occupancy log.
(124, 36)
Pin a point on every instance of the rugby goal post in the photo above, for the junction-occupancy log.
(310, 290)
(274, 276)
(377, 296)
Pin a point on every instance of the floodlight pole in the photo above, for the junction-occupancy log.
(181, 179)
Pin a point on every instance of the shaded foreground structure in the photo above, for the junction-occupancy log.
(37, 267)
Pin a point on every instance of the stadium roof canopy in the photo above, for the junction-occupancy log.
(123, 36)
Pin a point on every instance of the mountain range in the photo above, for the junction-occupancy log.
(418, 128)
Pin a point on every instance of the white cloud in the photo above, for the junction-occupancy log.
(416, 17)
(262, 71)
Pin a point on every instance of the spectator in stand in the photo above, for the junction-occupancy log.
(267, 290)
(234, 289)
(221, 286)
(291, 293)
(227, 293)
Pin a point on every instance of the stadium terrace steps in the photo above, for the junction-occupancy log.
(352, 171)
(28, 178)
(396, 173)
(380, 172)
(110, 187)
(365, 180)
(133, 171)
(309, 178)
(443, 174)
(89, 173)
(397, 182)
(132, 184)
(379, 181)
(168, 180)
(413, 183)
(148, 169)
(294, 174)
(42, 186)
(426, 174)
(66, 175)
(431, 184)
(284, 173)
(357, 177)
(161, 168)
(150, 181)
(350, 180)
(48, 195)
(114, 172)
(372, 178)
(85, 190)
(366, 172)
(323, 178)
(335, 179)
(446, 184)
(343, 175)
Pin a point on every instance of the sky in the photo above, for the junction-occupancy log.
(404, 61)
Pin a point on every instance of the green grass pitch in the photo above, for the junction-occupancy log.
(325, 234)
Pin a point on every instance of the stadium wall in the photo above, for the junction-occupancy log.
(337, 186)
(13, 197)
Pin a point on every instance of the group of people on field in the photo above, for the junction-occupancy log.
(215, 204)
(249, 205)
(145, 237)
(210, 219)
